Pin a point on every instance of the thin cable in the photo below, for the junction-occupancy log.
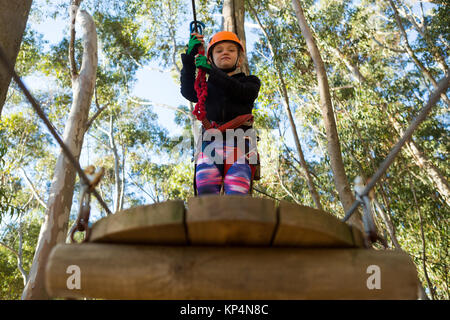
(195, 16)
(434, 98)
(10, 69)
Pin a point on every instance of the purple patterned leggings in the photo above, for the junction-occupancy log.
(209, 176)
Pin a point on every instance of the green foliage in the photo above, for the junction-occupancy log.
(144, 159)
(11, 280)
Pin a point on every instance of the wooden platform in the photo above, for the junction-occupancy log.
(227, 247)
(226, 220)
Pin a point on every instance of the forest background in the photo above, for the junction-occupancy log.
(382, 59)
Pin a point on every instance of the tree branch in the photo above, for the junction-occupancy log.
(97, 113)
(73, 14)
(423, 32)
(10, 249)
(413, 56)
(33, 189)
(388, 48)
(156, 104)
(266, 194)
(424, 254)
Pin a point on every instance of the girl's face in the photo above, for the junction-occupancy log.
(225, 55)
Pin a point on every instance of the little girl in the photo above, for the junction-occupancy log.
(231, 95)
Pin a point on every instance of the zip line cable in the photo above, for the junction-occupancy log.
(195, 16)
(10, 69)
(423, 113)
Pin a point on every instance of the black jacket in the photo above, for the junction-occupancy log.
(228, 97)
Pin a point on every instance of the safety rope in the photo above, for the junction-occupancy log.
(201, 87)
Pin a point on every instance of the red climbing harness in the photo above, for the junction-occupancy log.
(201, 88)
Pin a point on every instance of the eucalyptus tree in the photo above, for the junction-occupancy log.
(274, 46)
(13, 20)
(54, 228)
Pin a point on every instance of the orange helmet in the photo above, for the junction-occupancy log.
(223, 36)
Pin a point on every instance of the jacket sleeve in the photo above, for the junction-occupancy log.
(187, 78)
(245, 91)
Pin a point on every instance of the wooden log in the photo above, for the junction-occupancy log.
(113, 271)
(161, 223)
(230, 220)
(302, 226)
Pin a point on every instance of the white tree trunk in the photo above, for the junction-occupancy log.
(54, 228)
(118, 181)
(13, 19)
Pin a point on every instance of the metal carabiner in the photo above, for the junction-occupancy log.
(370, 229)
(196, 26)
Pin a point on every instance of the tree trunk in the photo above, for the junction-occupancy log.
(285, 100)
(13, 20)
(113, 146)
(384, 215)
(333, 145)
(54, 228)
(233, 20)
(424, 250)
(422, 161)
(309, 181)
(388, 223)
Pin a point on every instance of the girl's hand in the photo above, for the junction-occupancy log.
(195, 42)
(202, 62)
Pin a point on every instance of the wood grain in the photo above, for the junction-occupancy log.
(302, 226)
(114, 271)
(160, 223)
(230, 220)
